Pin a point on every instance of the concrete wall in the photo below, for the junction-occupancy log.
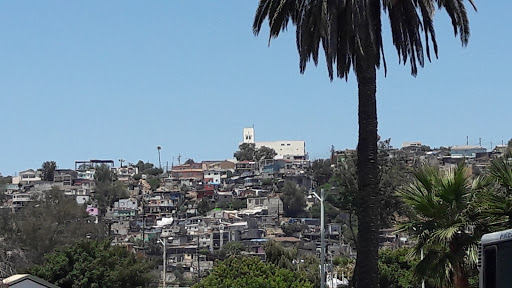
(282, 148)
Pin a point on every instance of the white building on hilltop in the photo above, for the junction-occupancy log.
(289, 149)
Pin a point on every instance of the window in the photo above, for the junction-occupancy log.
(490, 267)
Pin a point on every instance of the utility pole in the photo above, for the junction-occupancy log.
(278, 220)
(121, 163)
(467, 140)
(197, 255)
(322, 238)
(179, 159)
(143, 224)
(332, 272)
(165, 261)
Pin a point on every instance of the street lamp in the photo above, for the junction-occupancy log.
(165, 260)
(322, 238)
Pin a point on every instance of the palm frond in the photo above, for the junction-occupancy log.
(458, 14)
(501, 172)
(260, 15)
(405, 27)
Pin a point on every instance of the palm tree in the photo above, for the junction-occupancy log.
(446, 222)
(158, 148)
(498, 199)
(351, 37)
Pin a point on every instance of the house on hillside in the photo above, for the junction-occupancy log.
(466, 151)
(218, 165)
(29, 176)
(193, 171)
(125, 173)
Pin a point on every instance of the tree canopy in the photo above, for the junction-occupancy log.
(107, 190)
(245, 152)
(396, 269)
(43, 225)
(446, 222)
(148, 168)
(289, 258)
(294, 199)
(321, 171)
(48, 169)
(265, 153)
(248, 152)
(251, 272)
(94, 264)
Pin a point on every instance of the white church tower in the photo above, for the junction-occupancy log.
(249, 135)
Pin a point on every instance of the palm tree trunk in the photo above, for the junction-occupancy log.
(367, 201)
(460, 280)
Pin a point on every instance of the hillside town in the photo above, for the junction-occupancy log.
(193, 212)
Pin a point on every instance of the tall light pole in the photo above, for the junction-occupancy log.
(158, 148)
(423, 280)
(322, 238)
(165, 261)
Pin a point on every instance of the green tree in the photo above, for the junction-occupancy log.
(350, 34)
(321, 171)
(103, 173)
(331, 212)
(48, 168)
(231, 249)
(190, 161)
(396, 269)
(5, 180)
(289, 258)
(508, 150)
(246, 152)
(94, 264)
(235, 204)
(107, 191)
(154, 182)
(280, 256)
(393, 174)
(251, 272)
(294, 199)
(264, 153)
(340, 195)
(43, 225)
(289, 229)
(497, 201)
(3, 188)
(446, 224)
(148, 168)
(203, 206)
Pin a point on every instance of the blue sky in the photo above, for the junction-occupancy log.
(113, 79)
